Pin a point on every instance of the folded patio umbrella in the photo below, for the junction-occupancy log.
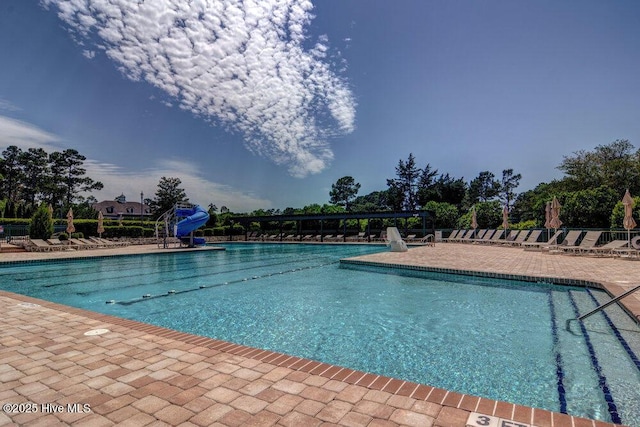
(505, 219)
(555, 213)
(474, 221)
(100, 229)
(628, 221)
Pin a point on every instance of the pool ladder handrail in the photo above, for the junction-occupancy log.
(603, 306)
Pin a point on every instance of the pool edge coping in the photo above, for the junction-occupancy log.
(422, 392)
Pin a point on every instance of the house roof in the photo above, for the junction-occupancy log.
(114, 208)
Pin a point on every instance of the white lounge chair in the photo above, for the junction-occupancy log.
(519, 239)
(536, 246)
(531, 238)
(588, 242)
(608, 249)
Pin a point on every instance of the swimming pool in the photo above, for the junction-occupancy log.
(499, 339)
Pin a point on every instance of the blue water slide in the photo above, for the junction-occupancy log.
(194, 218)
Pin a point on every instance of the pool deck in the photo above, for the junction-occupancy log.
(138, 374)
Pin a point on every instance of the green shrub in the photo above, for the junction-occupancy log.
(41, 226)
(617, 215)
(124, 231)
(524, 225)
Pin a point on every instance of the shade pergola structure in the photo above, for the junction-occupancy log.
(323, 222)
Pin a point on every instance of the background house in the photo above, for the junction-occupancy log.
(121, 209)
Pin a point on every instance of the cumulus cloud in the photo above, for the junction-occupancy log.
(247, 65)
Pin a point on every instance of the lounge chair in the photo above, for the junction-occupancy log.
(39, 245)
(101, 243)
(531, 238)
(357, 237)
(511, 237)
(462, 235)
(588, 242)
(478, 235)
(109, 243)
(80, 244)
(628, 253)
(608, 249)
(569, 241)
(55, 241)
(517, 240)
(496, 238)
(468, 237)
(488, 234)
(382, 237)
(537, 246)
(67, 244)
(452, 236)
(88, 242)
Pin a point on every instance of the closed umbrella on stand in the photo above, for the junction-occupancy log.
(505, 220)
(555, 222)
(628, 221)
(474, 221)
(100, 229)
(70, 227)
(547, 218)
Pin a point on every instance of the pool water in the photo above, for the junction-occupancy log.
(499, 339)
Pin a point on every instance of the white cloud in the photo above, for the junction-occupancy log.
(118, 180)
(8, 106)
(24, 135)
(198, 188)
(241, 63)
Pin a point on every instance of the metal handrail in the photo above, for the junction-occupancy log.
(603, 306)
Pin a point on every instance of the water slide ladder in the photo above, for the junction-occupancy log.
(602, 307)
(164, 228)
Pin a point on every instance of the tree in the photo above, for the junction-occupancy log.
(372, 202)
(68, 177)
(483, 188)
(590, 208)
(446, 213)
(426, 184)
(35, 174)
(488, 215)
(446, 190)
(168, 195)
(616, 165)
(509, 183)
(344, 191)
(404, 188)
(12, 174)
(617, 216)
(41, 226)
(395, 195)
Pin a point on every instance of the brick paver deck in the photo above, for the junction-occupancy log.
(137, 374)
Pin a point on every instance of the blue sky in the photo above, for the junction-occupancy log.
(265, 104)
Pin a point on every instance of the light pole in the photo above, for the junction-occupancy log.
(141, 209)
